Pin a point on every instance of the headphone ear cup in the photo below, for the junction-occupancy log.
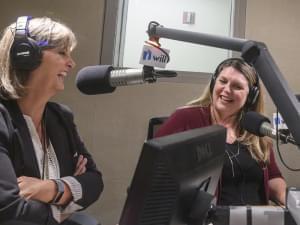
(25, 54)
(252, 96)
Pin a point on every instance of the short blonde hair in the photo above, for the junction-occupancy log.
(56, 34)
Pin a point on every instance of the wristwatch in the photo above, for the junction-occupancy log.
(60, 187)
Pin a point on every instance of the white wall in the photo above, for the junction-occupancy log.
(212, 16)
(275, 22)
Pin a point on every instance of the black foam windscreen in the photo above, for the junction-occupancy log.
(252, 122)
(93, 80)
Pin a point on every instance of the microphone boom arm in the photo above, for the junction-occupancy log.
(254, 52)
(235, 44)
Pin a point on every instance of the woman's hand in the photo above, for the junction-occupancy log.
(37, 189)
(277, 188)
(80, 166)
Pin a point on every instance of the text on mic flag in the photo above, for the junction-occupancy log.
(152, 56)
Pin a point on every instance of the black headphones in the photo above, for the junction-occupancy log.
(25, 53)
(253, 90)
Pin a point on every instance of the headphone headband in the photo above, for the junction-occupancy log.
(25, 53)
(21, 29)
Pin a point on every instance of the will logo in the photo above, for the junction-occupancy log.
(152, 56)
(161, 58)
(147, 55)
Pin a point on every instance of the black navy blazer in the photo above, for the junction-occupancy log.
(17, 158)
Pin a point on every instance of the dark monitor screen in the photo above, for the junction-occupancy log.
(171, 173)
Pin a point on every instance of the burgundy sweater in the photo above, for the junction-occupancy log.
(196, 117)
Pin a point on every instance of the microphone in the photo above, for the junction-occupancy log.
(101, 79)
(260, 125)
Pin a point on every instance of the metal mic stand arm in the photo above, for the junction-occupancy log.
(254, 52)
(148, 72)
(279, 90)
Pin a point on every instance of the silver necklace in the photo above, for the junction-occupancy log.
(232, 155)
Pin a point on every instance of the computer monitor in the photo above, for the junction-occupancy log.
(175, 177)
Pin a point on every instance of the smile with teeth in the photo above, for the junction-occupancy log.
(62, 75)
(226, 99)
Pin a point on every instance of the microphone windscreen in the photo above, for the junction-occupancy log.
(252, 122)
(92, 80)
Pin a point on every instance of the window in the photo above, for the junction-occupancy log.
(125, 34)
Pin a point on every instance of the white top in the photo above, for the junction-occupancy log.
(52, 171)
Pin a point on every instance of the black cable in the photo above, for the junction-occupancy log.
(151, 24)
(278, 149)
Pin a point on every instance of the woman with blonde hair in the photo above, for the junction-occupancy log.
(250, 175)
(46, 172)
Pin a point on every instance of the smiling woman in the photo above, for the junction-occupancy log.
(48, 78)
(46, 173)
(250, 175)
(230, 94)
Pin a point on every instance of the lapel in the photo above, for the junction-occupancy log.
(58, 132)
(59, 136)
(28, 153)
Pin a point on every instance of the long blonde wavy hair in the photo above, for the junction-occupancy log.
(259, 147)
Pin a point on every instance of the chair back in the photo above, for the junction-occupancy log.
(154, 124)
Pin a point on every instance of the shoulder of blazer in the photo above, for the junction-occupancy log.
(64, 115)
(7, 120)
(60, 109)
(10, 134)
(6, 116)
